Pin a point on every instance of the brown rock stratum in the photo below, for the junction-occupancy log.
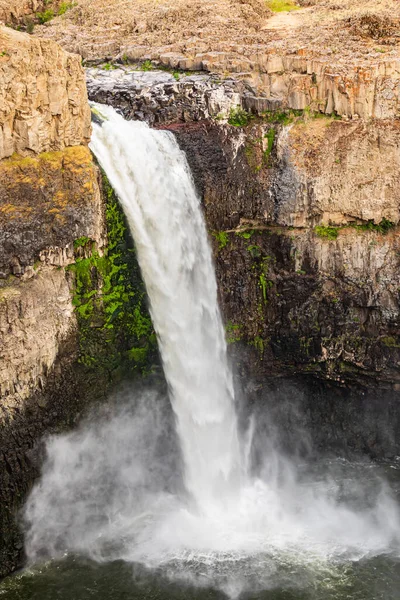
(43, 100)
(359, 30)
(334, 56)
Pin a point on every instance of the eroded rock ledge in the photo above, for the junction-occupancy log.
(43, 100)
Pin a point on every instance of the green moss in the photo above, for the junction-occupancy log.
(328, 233)
(270, 137)
(233, 332)
(258, 343)
(282, 5)
(390, 342)
(254, 250)
(264, 284)
(115, 328)
(221, 237)
(383, 227)
(82, 242)
(245, 234)
(238, 117)
(44, 17)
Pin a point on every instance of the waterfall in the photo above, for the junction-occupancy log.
(112, 488)
(153, 181)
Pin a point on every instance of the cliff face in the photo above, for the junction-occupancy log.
(72, 304)
(49, 198)
(306, 275)
(43, 101)
(303, 209)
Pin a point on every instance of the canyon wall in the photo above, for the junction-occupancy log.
(71, 295)
(303, 212)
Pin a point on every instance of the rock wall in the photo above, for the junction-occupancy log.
(308, 282)
(303, 212)
(303, 278)
(43, 100)
(49, 198)
(16, 11)
(73, 310)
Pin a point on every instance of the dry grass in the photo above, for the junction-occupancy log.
(353, 30)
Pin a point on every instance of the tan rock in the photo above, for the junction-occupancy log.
(43, 101)
(35, 318)
(338, 172)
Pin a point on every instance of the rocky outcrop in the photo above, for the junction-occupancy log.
(157, 97)
(49, 198)
(43, 101)
(47, 202)
(308, 294)
(289, 83)
(16, 11)
(338, 59)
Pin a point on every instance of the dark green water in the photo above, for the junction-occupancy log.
(78, 579)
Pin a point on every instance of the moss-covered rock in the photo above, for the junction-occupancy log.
(115, 330)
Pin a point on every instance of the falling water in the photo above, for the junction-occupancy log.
(153, 181)
(107, 489)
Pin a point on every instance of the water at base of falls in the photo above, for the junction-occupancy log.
(178, 495)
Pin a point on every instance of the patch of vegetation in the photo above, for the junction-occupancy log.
(239, 117)
(245, 234)
(147, 65)
(64, 6)
(82, 242)
(222, 238)
(328, 233)
(258, 343)
(233, 332)
(390, 342)
(264, 285)
(331, 233)
(116, 333)
(44, 17)
(254, 250)
(109, 67)
(282, 5)
(383, 227)
(270, 137)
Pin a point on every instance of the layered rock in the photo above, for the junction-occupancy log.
(16, 11)
(47, 202)
(43, 101)
(49, 197)
(157, 97)
(337, 58)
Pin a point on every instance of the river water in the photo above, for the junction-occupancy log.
(270, 576)
(160, 496)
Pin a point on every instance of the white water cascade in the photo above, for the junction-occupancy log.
(107, 489)
(153, 181)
